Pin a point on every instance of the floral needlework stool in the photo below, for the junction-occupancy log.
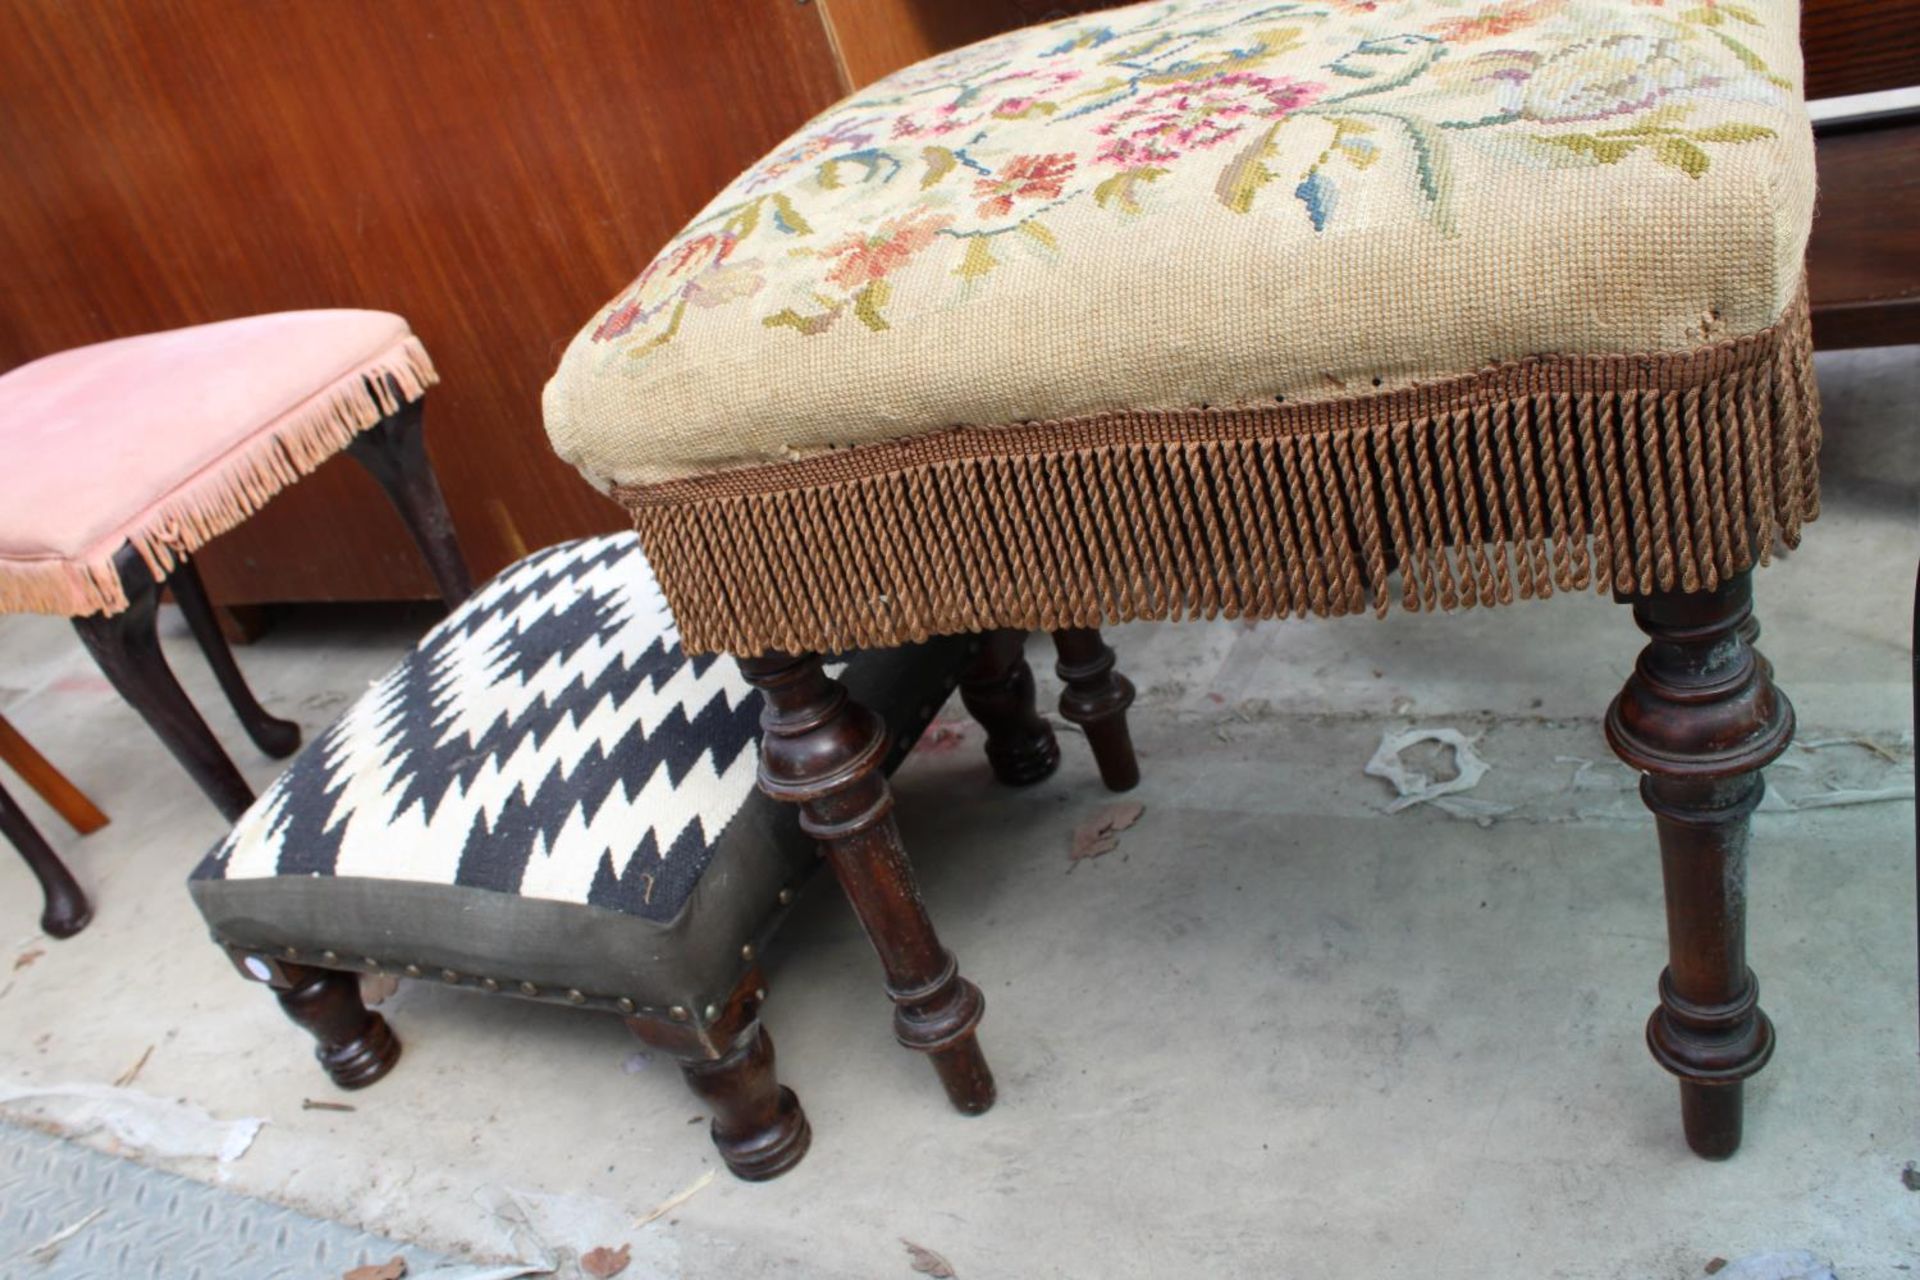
(548, 798)
(126, 457)
(1233, 308)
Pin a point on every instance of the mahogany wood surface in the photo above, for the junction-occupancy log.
(826, 754)
(52, 786)
(1863, 264)
(758, 1124)
(1860, 46)
(997, 688)
(493, 172)
(353, 1043)
(1096, 698)
(1699, 718)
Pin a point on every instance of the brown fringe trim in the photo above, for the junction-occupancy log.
(1627, 473)
(225, 492)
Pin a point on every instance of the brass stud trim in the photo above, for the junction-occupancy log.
(330, 957)
(449, 975)
(575, 997)
(679, 1013)
(528, 989)
(412, 971)
(489, 984)
(623, 1004)
(747, 952)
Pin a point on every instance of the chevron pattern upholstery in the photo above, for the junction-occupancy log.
(546, 759)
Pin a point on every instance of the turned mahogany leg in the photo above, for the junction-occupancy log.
(354, 1043)
(728, 1062)
(66, 911)
(1096, 698)
(127, 648)
(997, 689)
(1699, 718)
(278, 738)
(67, 800)
(395, 454)
(824, 752)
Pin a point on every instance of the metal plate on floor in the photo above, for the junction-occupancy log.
(71, 1213)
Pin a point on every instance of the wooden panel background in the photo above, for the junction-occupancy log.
(491, 169)
(1860, 46)
(875, 37)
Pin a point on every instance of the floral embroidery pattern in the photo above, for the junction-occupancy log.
(951, 169)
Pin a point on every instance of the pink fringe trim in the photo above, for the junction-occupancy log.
(227, 491)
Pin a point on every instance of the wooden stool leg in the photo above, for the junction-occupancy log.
(127, 648)
(395, 454)
(757, 1121)
(997, 689)
(278, 738)
(67, 800)
(1699, 718)
(354, 1044)
(66, 911)
(1096, 698)
(825, 753)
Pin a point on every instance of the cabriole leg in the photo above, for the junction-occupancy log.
(126, 645)
(66, 911)
(394, 452)
(824, 752)
(278, 738)
(1699, 718)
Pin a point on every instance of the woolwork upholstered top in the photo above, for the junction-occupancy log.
(1194, 307)
(168, 439)
(546, 790)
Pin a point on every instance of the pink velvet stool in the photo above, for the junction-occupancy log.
(125, 457)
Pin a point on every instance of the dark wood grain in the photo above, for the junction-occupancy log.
(727, 1060)
(1860, 46)
(1863, 264)
(493, 172)
(876, 37)
(826, 754)
(1699, 718)
(1096, 698)
(353, 1043)
(997, 688)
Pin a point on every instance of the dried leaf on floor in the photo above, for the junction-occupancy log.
(925, 1260)
(1910, 1177)
(315, 1104)
(603, 1263)
(128, 1076)
(1715, 1266)
(392, 1269)
(1101, 833)
(27, 957)
(675, 1200)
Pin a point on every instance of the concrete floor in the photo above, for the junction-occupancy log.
(1277, 1032)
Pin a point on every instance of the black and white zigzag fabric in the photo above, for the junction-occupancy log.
(548, 739)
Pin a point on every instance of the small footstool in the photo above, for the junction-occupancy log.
(126, 457)
(548, 798)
